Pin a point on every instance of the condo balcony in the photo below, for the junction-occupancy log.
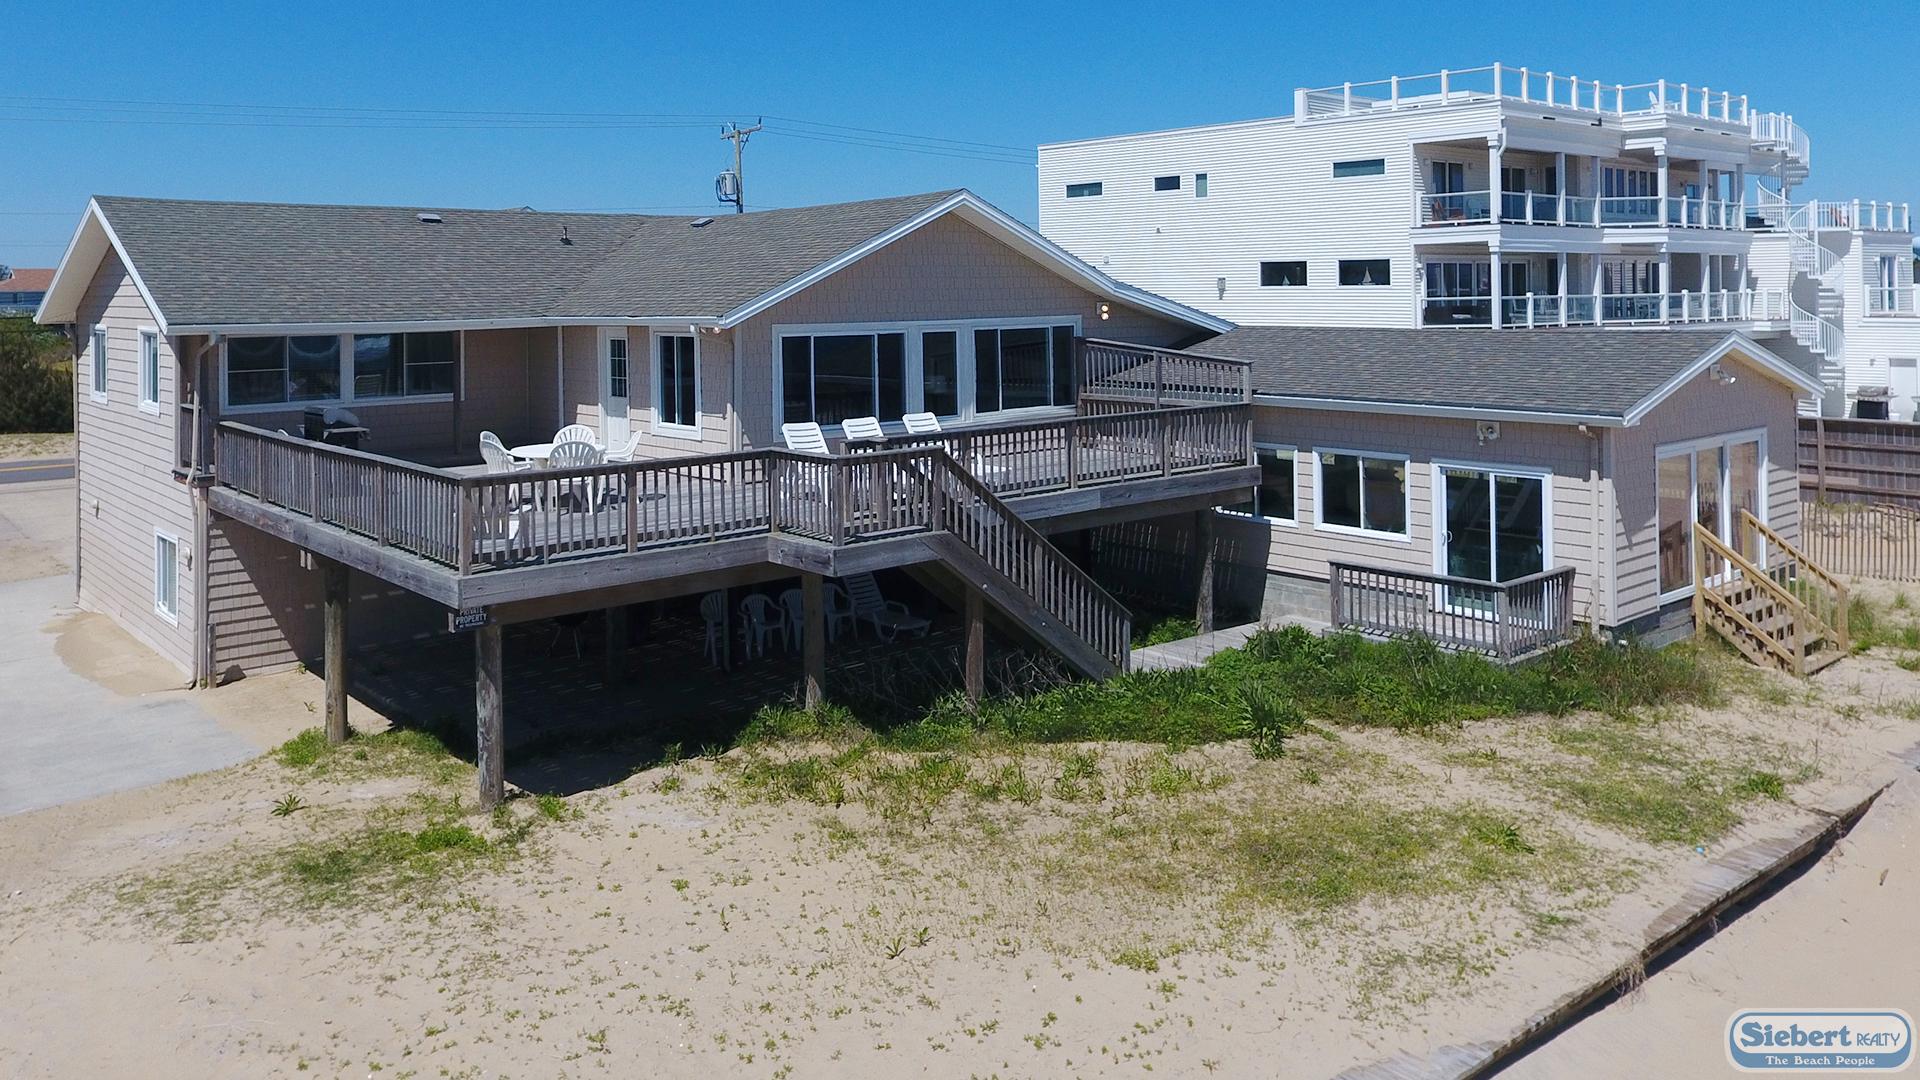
(1456, 208)
(1532, 311)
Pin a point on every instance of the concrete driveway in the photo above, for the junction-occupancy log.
(64, 736)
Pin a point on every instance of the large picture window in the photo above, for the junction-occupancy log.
(1272, 498)
(827, 378)
(1358, 491)
(340, 367)
(977, 367)
(1022, 368)
(940, 372)
(678, 376)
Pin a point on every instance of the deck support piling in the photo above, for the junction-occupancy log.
(1203, 557)
(976, 657)
(489, 703)
(814, 638)
(334, 650)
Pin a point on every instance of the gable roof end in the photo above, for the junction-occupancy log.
(91, 241)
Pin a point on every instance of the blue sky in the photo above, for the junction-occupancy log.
(993, 79)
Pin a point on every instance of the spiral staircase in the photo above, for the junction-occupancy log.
(1816, 280)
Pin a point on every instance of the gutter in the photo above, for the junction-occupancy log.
(1454, 412)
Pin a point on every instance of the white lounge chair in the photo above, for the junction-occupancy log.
(804, 438)
(889, 617)
(762, 620)
(863, 429)
(921, 423)
(576, 433)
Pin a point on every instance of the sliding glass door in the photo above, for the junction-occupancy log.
(1706, 485)
(1495, 529)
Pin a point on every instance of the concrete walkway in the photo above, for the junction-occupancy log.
(1194, 651)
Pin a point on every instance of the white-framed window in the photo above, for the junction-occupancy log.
(1273, 497)
(99, 362)
(1085, 191)
(1362, 492)
(677, 383)
(1706, 483)
(958, 369)
(618, 372)
(150, 369)
(1366, 271)
(166, 575)
(269, 373)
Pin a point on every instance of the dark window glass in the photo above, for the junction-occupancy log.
(1364, 167)
(1273, 497)
(986, 370)
(1199, 185)
(679, 400)
(433, 362)
(1084, 191)
(891, 356)
(1283, 273)
(256, 370)
(939, 370)
(1384, 502)
(1024, 378)
(376, 365)
(1365, 272)
(1339, 492)
(313, 368)
(1063, 372)
(796, 379)
(843, 381)
(1166, 183)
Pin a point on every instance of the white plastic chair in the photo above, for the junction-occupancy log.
(921, 423)
(762, 620)
(494, 453)
(576, 433)
(794, 603)
(713, 611)
(862, 429)
(889, 617)
(629, 452)
(577, 455)
(804, 438)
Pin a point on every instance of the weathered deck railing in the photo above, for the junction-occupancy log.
(1136, 373)
(1507, 620)
(478, 522)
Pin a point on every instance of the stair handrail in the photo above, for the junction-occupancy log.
(1818, 333)
(1703, 597)
(1116, 648)
(1754, 526)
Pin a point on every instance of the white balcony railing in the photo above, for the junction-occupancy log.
(1534, 310)
(1525, 85)
(1890, 300)
(1865, 216)
(1551, 208)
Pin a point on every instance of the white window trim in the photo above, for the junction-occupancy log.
(1319, 503)
(149, 394)
(915, 392)
(346, 397)
(159, 534)
(656, 372)
(1690, 447)
(1387, 284)
(1436, 492)
(97, 340)
(1290, 522)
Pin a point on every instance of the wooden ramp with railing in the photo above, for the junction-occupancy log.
(1766, 598)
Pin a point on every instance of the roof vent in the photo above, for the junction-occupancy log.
(428, 218)
(701, 223)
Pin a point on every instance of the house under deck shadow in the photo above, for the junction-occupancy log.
(1154, 432)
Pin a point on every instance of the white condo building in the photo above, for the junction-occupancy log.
(1504, 196)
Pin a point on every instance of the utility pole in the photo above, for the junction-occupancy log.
(738, 197)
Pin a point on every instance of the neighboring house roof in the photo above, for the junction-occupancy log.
(1569, 375)
(229, 266)
(27, 280)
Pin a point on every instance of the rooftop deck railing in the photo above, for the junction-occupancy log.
(1551, 208)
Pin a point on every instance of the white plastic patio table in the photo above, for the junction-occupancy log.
(538, 453)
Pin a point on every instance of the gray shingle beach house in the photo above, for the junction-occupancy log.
(280, 412)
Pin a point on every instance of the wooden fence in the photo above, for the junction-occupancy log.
(1859, 461)
(1857, 539)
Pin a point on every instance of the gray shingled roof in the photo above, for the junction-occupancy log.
(227, 263)
(1581, 372)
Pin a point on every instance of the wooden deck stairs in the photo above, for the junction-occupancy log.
(1771, 602)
